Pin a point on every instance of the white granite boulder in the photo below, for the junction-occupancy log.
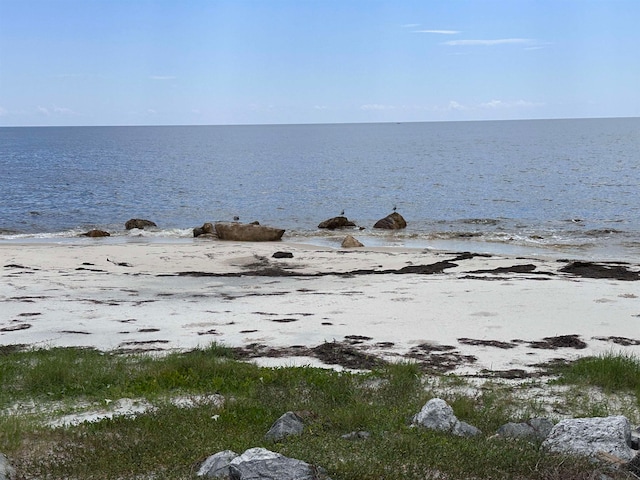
(438, 415)
(591, 436)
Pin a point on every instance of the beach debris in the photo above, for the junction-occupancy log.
(351, 242)
(596, 270)
(591, 436)
(288, 424)
(120, 264)
(336, 222)
(247, 232)
(139, 223)
(437, 414)
(206, 229)
(282, 255)
(95, 233)
(393, 221)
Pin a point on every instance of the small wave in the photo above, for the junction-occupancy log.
(480, 221)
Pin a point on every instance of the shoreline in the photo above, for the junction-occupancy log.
(455, 312)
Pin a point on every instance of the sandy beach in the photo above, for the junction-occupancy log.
(455, 312)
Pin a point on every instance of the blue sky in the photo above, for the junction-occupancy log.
(135, 62)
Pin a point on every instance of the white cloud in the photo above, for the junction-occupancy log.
(376, 106)
(489, 43)
(162, 77)
(151, 111)
(44, 110)
(439, 32)
(64, 111)
(495, 104)
(453, 105)
(410, 25)
(320, 107)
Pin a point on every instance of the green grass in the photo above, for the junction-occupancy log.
(169, 442)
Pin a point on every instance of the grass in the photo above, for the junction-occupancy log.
(169, 442)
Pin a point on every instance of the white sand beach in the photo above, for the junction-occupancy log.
(460, 313)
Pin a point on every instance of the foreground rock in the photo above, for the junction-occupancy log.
(351, 242)
(336, 222)
(247, 232)
(205, 229)
(438, 415)
(592, 437)
(394, 221)
(138, 223)
(259, 464)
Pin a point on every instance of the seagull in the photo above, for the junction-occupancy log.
(394, 208)
(342, 213)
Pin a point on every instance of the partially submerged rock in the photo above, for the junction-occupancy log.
(139, 223)
(206, 229)
(96, 234)
(336, 222)
(394, 221)
(247, 232)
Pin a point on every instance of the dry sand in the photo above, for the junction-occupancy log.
(455, 312)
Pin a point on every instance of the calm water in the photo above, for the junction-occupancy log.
(558, 186)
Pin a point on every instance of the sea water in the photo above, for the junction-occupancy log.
(562, 187)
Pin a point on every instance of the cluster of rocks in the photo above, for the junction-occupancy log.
(393, 221)
(609, 439)
(139, 223)
(606, 438)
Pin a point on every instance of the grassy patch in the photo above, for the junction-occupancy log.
(169, 442)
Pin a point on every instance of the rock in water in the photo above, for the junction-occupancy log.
(590, 436)
(205, 229)
(138, 223)
(351, 242)
(394, 221)
(336, 222)
(96, 233)
(246, 232)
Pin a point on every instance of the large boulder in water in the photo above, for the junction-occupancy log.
(394, 221)
(336, 222)
(206, 229)
(138, 223)
(247, 232)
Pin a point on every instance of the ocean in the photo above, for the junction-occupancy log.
(564, 188)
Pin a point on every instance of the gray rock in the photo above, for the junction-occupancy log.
(351, 242)
(262, 464)
(138, 223)
(336, 222)
(205, 229)
(361, 435)
(96, 233)
(590, 436)
(7, 472)
(288, 424)
(217, 465)
(535, 429)
(438, 415)
(247, 232)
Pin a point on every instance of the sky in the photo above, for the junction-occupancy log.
(219, 62)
